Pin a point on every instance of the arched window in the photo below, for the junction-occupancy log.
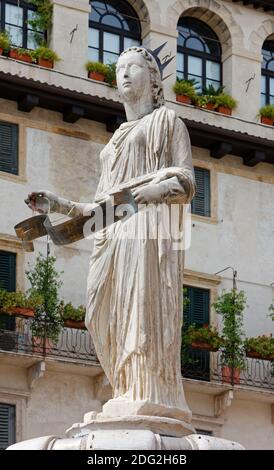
(14, 18)
(113, 26)
(267, 95)
(198, 53)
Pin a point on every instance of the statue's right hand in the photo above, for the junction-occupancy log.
(41, 201)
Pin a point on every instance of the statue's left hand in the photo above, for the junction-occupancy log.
(151, 193)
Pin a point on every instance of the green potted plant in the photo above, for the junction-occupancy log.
(225, 103)
(46, 57)
(4, 42)
(97, 71)
(74, 317)
(18, 303)
(47, 322)
(267, 114)
(22, 54)
(208, 99)
(204, 337)
(261, 347)
(111, 75)
(185, 91)
(231, 305)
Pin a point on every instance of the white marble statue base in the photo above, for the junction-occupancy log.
(98, 432)
(155, 424)
(127, 440)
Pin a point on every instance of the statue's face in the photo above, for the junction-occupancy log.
(133, 77)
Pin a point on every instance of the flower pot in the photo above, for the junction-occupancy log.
(80, 325)
(1, 51)
(203, 346)
(96, 76)
(45, 63)
(256, 355)
(267, 120)
(38, 345)
(226, 375)
(224, 110)
(183, 99)
(210, 106)
(20, 311)
(13, 54)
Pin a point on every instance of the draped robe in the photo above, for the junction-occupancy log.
(134, 292)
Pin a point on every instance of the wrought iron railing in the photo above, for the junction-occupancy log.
(208, 367)
(72, 344)
(76, 345)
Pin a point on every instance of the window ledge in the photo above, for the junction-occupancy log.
(206, 220)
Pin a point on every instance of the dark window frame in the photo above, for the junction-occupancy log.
(11, 438)
(9, 320)
(200, 368)
(122, 33)
(201, 55)
(14, 156)
(25, 27)
(206, 195)
(268, 74)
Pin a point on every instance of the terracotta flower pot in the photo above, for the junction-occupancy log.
(203, 346)
(226, 375)
(1, 51)
(210, 106)
(256, 355)
(13, 54)
(224, 110)
(20, 311)
(183, 99)
(96, 76)
(45, 63)
(80, 325)
(38, 345)
(267, 120)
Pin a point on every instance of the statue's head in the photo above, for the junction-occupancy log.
(139, 76)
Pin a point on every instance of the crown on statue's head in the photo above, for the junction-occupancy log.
(161, 65)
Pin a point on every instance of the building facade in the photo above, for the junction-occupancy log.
(53, 125)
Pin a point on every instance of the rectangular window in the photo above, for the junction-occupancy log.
(9, 148)
(7, 282)
(7, 425)
(14, 19)
(197, 311)
(201, 202)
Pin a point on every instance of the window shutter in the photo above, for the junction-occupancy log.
(197, 310)
(9, 148)
(8, 270)
(201, 202)
(7, 425)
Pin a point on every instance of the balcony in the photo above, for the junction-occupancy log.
(208, 367)
(73, 345)
(76, 346)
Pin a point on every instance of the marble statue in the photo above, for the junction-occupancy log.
(134, 288)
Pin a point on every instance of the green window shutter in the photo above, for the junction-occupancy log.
(8, 270)
(9, 148)
(7, 425)
(201, 202)
(197, 310)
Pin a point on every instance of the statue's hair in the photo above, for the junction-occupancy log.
(155, 76)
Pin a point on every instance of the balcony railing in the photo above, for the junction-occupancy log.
(76, 345)
(72, 344)
(208, 366)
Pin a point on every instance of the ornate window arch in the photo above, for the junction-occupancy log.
(14, 18)
(199, 53)
(113, 26)
(267, 92)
